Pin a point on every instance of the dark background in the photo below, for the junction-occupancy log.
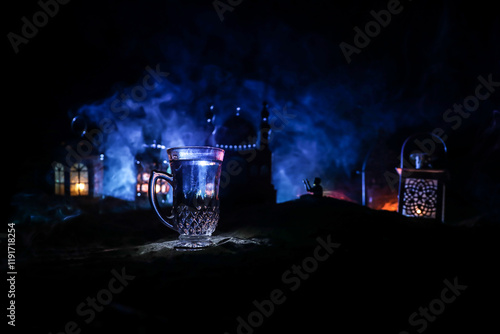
(427, 59)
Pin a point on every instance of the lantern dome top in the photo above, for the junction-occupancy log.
(423, 151)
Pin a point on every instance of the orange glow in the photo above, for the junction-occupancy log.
(80, 186)
(337, 195)
(162, 187)
(390, 206)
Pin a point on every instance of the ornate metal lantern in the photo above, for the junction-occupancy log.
(422, 177)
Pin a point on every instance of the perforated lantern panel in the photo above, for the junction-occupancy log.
(421, 193)
(420, 198)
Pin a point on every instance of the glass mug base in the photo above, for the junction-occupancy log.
(193, 242)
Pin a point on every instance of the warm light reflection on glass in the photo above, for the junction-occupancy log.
(209, 190)
(143, 185)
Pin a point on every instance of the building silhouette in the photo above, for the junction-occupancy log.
(246, 177)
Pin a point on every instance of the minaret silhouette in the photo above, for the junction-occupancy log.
(264, 126)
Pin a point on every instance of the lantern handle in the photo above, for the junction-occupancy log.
(418, 134)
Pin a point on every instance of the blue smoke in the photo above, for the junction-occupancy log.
(323, 114)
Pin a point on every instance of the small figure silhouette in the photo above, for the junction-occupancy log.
(316, 189)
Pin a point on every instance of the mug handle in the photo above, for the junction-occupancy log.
(155, 175)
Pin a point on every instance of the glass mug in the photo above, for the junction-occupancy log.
(195, 182)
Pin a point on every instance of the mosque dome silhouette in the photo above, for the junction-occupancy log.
(247, 167)
(236, 131)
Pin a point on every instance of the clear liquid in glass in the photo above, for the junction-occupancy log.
(196, 198)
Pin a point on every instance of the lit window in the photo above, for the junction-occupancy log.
(79, 180)
(142, 186)
(59, 178)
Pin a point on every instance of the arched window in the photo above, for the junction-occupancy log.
(59, 178)
(79, 180)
